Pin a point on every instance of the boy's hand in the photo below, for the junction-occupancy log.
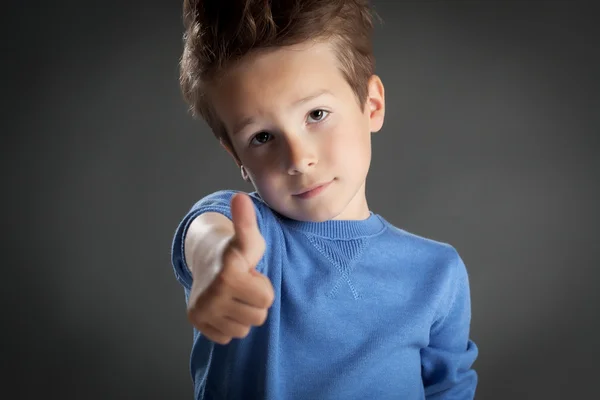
(239, 297)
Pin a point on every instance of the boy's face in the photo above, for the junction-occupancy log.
(295, 123)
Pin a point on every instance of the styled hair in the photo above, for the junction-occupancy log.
(219, 33)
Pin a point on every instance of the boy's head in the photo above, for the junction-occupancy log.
(288, 88)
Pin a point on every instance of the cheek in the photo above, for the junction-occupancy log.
(349, 145)
(263, 176)
(258, 164)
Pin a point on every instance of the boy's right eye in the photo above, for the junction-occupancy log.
(260, 138)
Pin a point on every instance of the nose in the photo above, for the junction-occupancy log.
(301, 156)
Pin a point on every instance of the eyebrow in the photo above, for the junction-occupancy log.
(244, 122)
(239, 126)
(311, 97)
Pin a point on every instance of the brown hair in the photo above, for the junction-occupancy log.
(219, 33)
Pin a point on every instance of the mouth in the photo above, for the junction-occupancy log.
(312, 191)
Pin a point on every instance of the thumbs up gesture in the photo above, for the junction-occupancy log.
(239, 297)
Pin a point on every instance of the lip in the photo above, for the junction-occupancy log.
(313, 190)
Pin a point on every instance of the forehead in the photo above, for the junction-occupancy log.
(277, 78)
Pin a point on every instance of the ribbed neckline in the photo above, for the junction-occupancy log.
(338, 229)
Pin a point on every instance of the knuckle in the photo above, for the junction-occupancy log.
(243, 332)
(264, 302)
(204, 330)
(208, 312)
(215, 336)
(267, 298)
(261, 318)
(246, 331)
(261, 244)
(223, 340)
(192, 318)
(192, 313)
(191, 310)
(195, 315)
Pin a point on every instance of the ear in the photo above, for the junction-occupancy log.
(231, 152)
(245, 175)
(375, 104)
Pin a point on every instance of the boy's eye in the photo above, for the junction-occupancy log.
(317, 115)
(261, 138)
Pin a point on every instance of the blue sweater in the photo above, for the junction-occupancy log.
(362, 310)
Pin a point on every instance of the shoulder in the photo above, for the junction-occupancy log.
(220, 201)
(420, 243)
(438, 259)
(436, 264)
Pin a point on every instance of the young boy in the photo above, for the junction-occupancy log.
(298, 290)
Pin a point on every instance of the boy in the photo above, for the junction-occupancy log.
(298, 290)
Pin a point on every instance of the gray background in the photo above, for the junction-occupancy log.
(490, 143)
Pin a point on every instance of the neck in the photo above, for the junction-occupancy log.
(357, 209)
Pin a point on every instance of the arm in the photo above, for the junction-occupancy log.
(206, 236)
(183, 245)
(214, 252)
(446, 363)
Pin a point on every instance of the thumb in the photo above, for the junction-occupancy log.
(247, 238)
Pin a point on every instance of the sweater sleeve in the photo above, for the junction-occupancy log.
(446, 363)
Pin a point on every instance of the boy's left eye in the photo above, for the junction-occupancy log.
(317, 115)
